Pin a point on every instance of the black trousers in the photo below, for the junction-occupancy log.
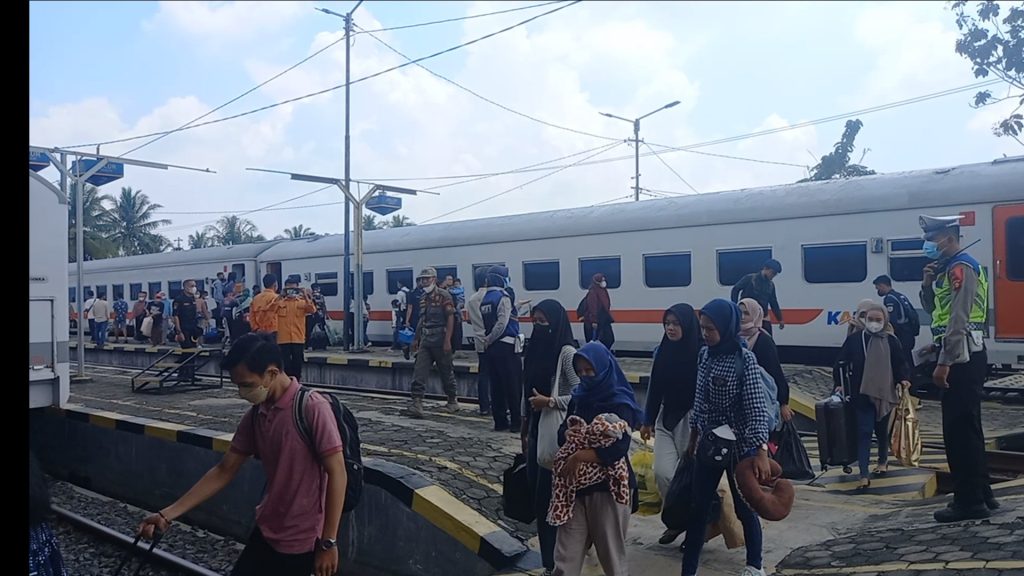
(293, 359)
(907, 342)
(190, 339)
(962, 433)
(767, 325)
(506, 386)
(260, 559)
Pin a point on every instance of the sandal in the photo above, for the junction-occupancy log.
(865, 483)
(880, 471)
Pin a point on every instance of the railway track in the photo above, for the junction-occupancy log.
(175, 564)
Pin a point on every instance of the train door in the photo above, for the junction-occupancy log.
(275, 269)
(1008, 253)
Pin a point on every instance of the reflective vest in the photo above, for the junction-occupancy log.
(944, 298)
(489, 311)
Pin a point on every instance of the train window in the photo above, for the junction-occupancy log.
(72, 294)
(610, 266)
(444, 271)
(836, 263)
(396, 277)
(541, 275)
(239, 271)
(154, 287)
(476, 284)
(118, 290)
(275, 269)
(906, 260)
(735, 264)
(328, 282)
(86, 290)
(133, 290)
(101, 291)
(667, 270)
(367, 283)
(173, 288)
(1015, 248)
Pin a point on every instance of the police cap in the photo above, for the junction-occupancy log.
(933, 225)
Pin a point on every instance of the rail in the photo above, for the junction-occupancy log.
(167, 559)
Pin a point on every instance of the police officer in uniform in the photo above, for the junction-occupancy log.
(433, 343)
(955, 292)
(501, 325)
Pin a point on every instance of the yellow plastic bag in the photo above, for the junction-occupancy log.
(643, 468)
(905, 440)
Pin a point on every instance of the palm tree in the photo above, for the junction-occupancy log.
(370, 222)
(231, 230)
(95, 224)
(400, 221)
(154, 243)
(299, 231)
(199, 239)
(132, 227)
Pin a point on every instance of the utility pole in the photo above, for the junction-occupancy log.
(636, 143)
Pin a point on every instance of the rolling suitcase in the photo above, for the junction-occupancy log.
(837, 427)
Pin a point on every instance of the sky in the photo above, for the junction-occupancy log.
(736, 68)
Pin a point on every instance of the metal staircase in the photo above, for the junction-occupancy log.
(177, 371)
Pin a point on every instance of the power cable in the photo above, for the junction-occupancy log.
(667, 165)
(332, 88)
(488, 100)
(730, 157)
(603, 149)
(471, 17)
(247, 212)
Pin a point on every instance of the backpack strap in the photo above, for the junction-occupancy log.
(299, 415)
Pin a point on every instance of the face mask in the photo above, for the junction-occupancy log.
(429, 289)
(254, 395)
(874, 327)
(603, 284)
(931, 250)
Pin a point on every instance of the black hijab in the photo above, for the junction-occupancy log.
(674, 373)
(545, 347)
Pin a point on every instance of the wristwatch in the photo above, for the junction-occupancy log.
(764, 447)
(327, 543)
(551, 402)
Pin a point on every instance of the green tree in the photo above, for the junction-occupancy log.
(299, 231)
(232, 230)
(836, 164)
(95, 224)
(995, 47)
(370, 222)
(199, 239)
(399, 221)
(132, 227)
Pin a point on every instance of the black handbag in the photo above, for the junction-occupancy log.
(717, 452)
(517, 493)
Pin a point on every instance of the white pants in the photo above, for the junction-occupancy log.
(598, 520)
(669, 448)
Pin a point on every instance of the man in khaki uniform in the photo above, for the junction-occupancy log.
(433, 343)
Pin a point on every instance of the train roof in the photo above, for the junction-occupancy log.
(216, 254)
(1001, 180)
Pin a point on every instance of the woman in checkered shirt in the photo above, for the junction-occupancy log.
(732, 404)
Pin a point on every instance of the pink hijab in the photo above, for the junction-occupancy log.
(751, 330)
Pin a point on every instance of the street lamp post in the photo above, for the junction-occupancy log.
(636, 142)
(348, 163)
(358, 202)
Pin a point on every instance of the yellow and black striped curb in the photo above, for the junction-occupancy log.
(467, 526)
(904, 566)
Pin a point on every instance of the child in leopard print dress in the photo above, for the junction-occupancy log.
(605, 430)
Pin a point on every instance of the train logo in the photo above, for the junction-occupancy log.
(838, 317)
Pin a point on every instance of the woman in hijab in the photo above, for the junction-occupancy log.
(597, 518)
(670, 396)
(597, 317)
(877, 364)
(549, 356)
(728, 407)
(763, 346)
(857, 320)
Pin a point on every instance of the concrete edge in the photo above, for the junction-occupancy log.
(417, 492)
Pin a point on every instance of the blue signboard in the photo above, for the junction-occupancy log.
(383, 204)
(108, 173)
(37, 160)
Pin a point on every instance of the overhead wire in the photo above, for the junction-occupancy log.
(461, 18)
(247, 212)
(488, 100)
(603, 149)
(332, 88)
(669, 166)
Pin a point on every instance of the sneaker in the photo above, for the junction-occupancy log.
(958, 513)
(451, 406)
(415, 409)
(669, 536)
(990, 502)
(751, 571)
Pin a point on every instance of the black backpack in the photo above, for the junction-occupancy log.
(913, 322)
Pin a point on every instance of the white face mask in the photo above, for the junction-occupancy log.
(429, 289)
(874, 327)
(255, 395)
(603, 284)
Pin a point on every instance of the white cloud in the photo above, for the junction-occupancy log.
(223, 23)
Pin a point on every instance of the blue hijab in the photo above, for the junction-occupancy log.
(608, 388)
(726, 317)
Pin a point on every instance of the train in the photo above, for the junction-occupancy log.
(832, 238)
(48, 354)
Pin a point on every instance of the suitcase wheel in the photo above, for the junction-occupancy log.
(847, 470)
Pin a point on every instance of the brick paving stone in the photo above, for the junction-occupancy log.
(918, 557)
(910, 550)
(994, 555)
(943, 549)
(951, 556)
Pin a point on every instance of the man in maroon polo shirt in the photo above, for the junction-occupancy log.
(297, 521)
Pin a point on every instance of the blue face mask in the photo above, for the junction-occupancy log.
(931, 250)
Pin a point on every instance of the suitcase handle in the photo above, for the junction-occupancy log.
(157, 536)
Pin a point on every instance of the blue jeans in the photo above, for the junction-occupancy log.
(100, 336)
(705, 484)
(868, 424)
(483, 383)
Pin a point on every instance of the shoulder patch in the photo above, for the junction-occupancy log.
(956, 276)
